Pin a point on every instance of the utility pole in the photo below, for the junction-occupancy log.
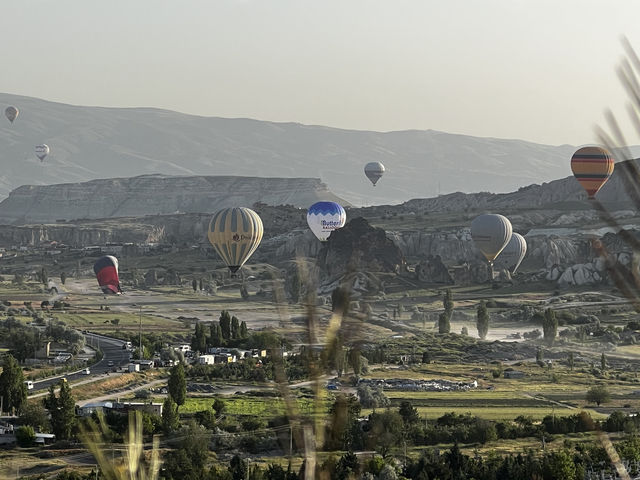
(290, 442)
(140, 306)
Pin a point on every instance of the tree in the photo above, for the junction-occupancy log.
(447, 301)
(549, 326)
(355, 361)
(170, 417)
(12, 387)
(201, 285)
(340, 299)
(235, 327)
(444, 324)
(482, 323)
(603, 362)
(34, 414)
(194, 284)
(44, 275)
(225, 324)
(598, 394)
(63, 277)
(199, 339)
(408, 412)
(244, 331)
(215, 335)
(62, 410)
(25, 436)
(426, 357)
(238, 468)
(218, 406)
(177, 384)
(570, 360)
(295, 286)
(187, 462)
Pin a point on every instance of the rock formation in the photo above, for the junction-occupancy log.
(360, 247)
(155, 195)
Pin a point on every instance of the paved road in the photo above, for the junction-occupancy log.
(113, 352)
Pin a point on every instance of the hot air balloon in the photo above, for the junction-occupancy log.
(42, 151)
(374, 171)
(325, 217)
(106, 270)
(11, 113)
(513, 253)
(491, 233)
(235, 233)
(592, 167)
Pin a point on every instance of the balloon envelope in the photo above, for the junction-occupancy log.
(491, 233)
(374, 171)
(513, 253)
(592, 167)
(11, 113)
(106, 270)
(42, 151)
(325, 217)
(235, 233)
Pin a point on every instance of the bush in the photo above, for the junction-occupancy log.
(25, 436)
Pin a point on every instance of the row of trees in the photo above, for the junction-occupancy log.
(228, 329)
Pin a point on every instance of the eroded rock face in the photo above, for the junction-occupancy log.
(432, 270)
(155, 195)
(360, 247)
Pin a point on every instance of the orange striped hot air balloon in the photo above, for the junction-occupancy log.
(592, 167)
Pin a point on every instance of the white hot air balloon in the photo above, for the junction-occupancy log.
(374, 171)
(491, 233)
(325, 217)
(512, 255)
(42, 151)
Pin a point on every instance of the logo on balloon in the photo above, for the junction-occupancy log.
(237, 237)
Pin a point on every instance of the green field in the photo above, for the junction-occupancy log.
(266, 407)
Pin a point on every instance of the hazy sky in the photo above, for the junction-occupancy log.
(539, 70)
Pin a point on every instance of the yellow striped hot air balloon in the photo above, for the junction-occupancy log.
(235, 233)
(592, 166)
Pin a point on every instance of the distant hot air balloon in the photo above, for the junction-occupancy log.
(491, 233)
(235, 233)
(42, 151)
(592, 167)
(325, 217)
(106, 270)
(513, 253)
(374, 171)
(11, 113)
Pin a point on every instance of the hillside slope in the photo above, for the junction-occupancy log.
(93, 142)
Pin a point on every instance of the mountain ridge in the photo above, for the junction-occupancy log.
(104, 142)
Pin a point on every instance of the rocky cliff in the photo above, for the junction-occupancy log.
(155, 195)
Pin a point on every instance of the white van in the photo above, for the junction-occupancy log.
(29, 384)
(86, 371)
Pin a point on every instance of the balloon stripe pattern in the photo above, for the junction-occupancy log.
(592, 167)
(106, 270)
(325, 217)
(235, 234)
(491, 233)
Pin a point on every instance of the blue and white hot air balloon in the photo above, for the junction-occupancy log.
(325, 217)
